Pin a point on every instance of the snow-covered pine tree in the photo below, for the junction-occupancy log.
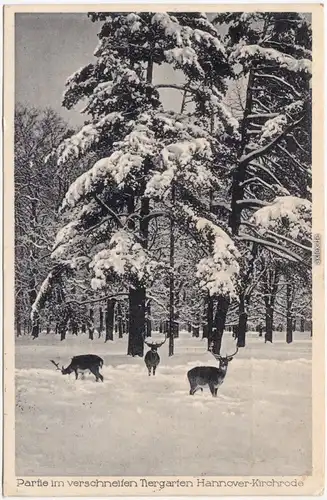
(145, 153)
(271, 53)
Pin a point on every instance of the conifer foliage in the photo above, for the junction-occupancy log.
(196, 173)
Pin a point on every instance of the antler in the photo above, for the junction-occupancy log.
(155, 343)
(56, 364)
(161, 343)
(216, 356)
(232, 355)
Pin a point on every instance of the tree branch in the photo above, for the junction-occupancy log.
(244, 160)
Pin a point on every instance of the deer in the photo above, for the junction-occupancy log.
(202, 376)
(152, 358)
(81, 364)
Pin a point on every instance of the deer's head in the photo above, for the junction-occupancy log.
(224, 360)
(63, 370)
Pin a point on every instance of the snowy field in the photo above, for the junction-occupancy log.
(132, 424)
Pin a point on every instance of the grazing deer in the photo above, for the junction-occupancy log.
(152, 358)
(81, 364)
(202, 376)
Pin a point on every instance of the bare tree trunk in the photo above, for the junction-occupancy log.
(91, 327)
(18, 324)
(269, 323)
(100, 321)
(171, 279)
(148, 320)
(120, 321)
(32, 296)
(136, 321)
(209, 319)
(62, 330)
(239, 174)
(74, 326)
(271, 280)
(289, 316)
(242, 322)
(195, 330)
(219, 323)
(110, 320)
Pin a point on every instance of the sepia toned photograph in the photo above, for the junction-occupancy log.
(165, 304)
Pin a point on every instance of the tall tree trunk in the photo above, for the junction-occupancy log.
(32, 297)
(148, 320)
(302, 325)
(74, 327)
(120, 320)
(195, 330)
(242, 322)
(209, 319)
(271, 279)
(110, 310)
(100, 321)
(171, 279)
(219, 323)
(62, 330)
(136, 321)
(240, 171)
(269, 323)
(176, 325)
(289, 317)
(136, 312)
(189, 327)
(18, 323)
(91, 327)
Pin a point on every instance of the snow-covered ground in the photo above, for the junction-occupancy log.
(132, 424)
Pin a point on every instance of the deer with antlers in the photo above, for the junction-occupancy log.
(81, 364)
(202, 376)
(152, 358)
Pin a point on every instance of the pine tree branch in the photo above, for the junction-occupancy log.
(245, 160)
(270, 244)
(280, 81)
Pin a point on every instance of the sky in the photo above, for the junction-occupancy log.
(49, 48)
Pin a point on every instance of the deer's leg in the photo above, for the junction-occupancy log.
(99, 374)
(216, 390)
(76, 374)
(154, 370)
(212, 389)
(193, 390)
(95, 372)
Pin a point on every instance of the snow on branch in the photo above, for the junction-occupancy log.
(245, 159)
(124, 258)
(45, 290)
(130, 154)
(219, 270)
(89, 135)
(177, 159)
(287, 214)
(218, 273)
(255, 52)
